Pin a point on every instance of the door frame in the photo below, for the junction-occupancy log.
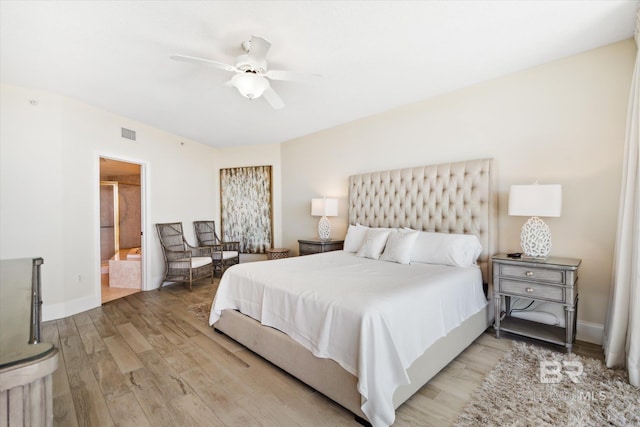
(144, 220)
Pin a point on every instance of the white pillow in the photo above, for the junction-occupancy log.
(400, 246)
(458, 250)
(354, 238)
(373, 244)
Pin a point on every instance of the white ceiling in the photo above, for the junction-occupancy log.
(373, 55)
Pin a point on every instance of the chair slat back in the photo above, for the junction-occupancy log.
(206, 233)
(171, 236)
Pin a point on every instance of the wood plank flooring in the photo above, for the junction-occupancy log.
(146, 360)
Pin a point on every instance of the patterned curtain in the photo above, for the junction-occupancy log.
(245, 195)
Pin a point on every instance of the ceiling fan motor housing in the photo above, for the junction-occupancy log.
(245, 63)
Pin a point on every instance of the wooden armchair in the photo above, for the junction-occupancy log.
(206, 236)
(183, 262)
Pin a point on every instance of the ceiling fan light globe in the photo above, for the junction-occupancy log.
(250, 85)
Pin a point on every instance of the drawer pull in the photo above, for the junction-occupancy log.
(529, 273)
(529, 290)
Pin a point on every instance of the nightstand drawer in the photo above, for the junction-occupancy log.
(533, 273)
(532, 290)
(306, 247)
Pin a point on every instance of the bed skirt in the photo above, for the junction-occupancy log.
(327, 376)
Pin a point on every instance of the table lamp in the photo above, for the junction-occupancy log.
(324, 208)
(535, 201)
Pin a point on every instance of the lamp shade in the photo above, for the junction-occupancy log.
(535, 200)
(324, 207)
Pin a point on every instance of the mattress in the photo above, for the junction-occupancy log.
(372, 317)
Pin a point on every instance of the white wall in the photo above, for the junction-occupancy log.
(560, 123)
(49, 192)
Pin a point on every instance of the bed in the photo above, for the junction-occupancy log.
(342, 335)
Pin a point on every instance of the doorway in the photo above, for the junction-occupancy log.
(120, 228)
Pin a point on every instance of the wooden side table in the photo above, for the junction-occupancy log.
(277, 253)
(316, 246)
(553, 280)
(26, 391)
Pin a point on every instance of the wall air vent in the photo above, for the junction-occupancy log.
(129, 134)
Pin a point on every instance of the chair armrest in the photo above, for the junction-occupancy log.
(198, 250)
(214, 247)
(178, 255)
(216, 252)
(231, 246)
(201, 250)
(178, 259)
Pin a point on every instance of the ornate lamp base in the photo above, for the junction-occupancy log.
(535, 238)
(324, 228)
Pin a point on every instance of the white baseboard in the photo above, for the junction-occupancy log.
(244, 258)
(69, 308)
(590, 332)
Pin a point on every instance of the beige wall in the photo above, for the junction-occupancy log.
(49, 192)
(560, 123)
(563, 123)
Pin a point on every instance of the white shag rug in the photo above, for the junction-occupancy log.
(533, 386)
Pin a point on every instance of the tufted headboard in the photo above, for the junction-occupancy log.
(449, 198)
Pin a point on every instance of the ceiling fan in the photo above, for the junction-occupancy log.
(251, 72)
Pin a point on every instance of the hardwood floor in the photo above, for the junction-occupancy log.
(147, 360)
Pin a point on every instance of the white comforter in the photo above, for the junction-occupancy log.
(374, 318)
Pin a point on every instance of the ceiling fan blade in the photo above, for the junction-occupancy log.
(196, 60)
(258, 49)
(273, 98)
(292, 76)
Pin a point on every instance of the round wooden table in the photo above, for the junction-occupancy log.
(277, 253)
